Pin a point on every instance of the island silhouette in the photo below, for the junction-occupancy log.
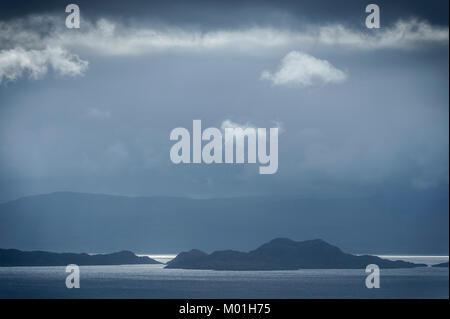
(14, 257)
(445, 264)
(278, 254)
(283, 254)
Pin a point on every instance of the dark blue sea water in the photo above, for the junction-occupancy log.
(153, 281)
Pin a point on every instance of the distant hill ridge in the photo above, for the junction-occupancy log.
(283, 254)
(79, 222)
(14, 257)
(443, 265)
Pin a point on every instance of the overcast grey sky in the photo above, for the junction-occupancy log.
(361, 111)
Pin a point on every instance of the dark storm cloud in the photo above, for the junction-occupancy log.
(99, 117)
(213, 14)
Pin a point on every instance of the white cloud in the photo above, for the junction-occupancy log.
(230, 124)
(405, 34)
(299, 69)
(15, 62)
(111, 38)
(33, 43)
(238, 133)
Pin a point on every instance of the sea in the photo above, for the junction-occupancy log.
(154, 281)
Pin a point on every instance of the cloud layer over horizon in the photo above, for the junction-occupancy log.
(27, 42)
(362, 111)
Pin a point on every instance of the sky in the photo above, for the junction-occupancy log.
(360, 111)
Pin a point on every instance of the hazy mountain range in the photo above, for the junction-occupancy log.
(102, 223)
